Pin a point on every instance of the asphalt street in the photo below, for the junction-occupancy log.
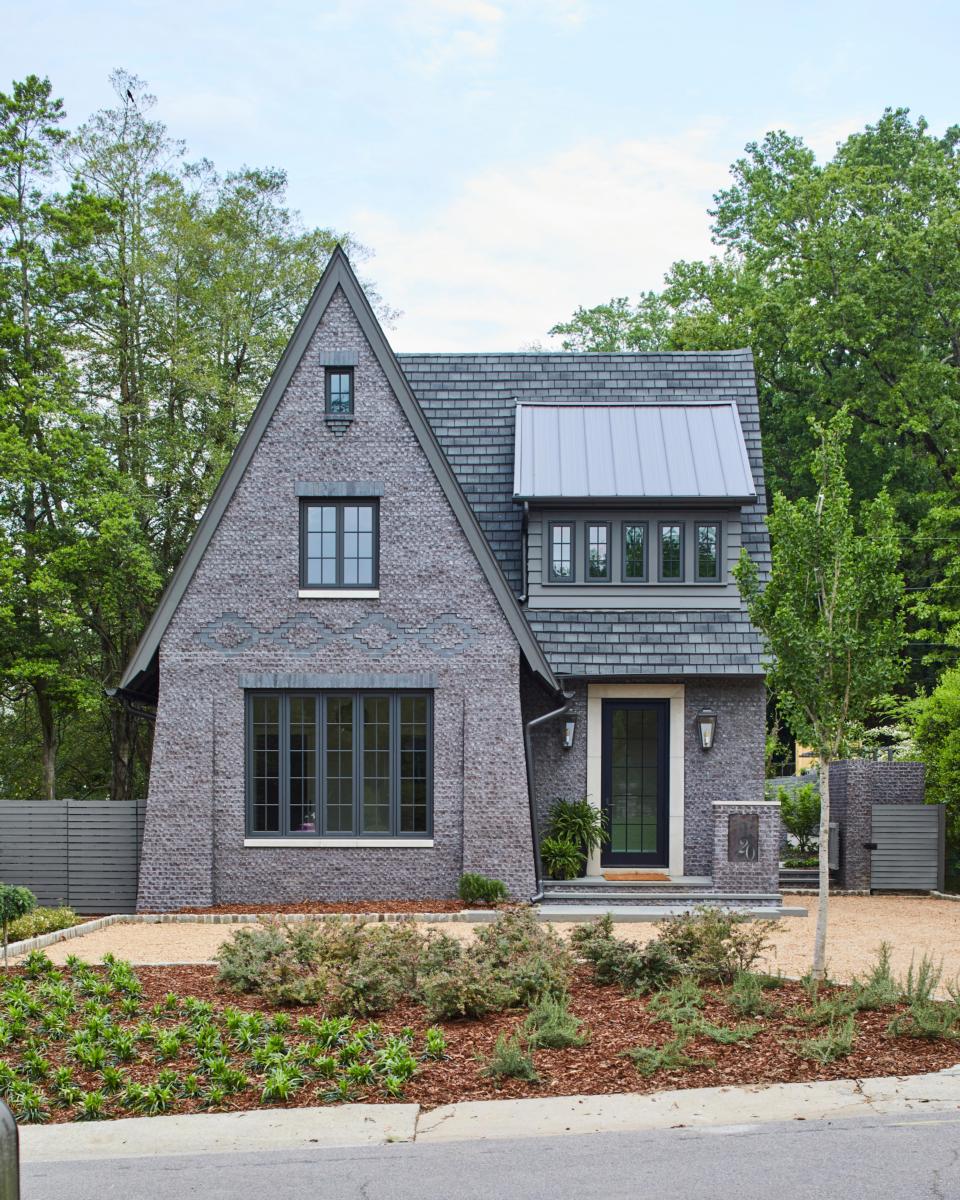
(884, 1158)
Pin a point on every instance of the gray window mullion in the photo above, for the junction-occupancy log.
(357, 742)
(394, 765)
(284, 732)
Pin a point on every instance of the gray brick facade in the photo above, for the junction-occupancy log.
(241, 615)
(448, 616)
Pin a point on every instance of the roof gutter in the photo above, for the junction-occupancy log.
(531, 788)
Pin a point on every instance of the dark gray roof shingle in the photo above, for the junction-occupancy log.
(470, 401)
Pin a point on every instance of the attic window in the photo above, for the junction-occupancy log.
(338, 389)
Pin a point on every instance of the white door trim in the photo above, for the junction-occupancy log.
(596, 694)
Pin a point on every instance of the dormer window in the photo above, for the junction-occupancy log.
(339, 391)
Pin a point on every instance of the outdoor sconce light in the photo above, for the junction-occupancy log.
(569, 731)
(706, 727)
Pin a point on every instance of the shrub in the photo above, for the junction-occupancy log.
(924, 1019)
(510, 1060)
(551, 1025)
(14, 902)
(836, 1042)
(671, 1056)
(800, 814)
(525, 955)
(243, 958)
(680, 1005)
(880, 989)
(478, 889)
(617, 960)
(716, 945)
(579, 822)
(468, 989)
(727, 1035)
(40, 921)
(561, 857)
(746, 996)
(922, 981)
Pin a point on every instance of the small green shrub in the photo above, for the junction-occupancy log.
(836, 1042)
(880, 989)
(525, 955)
(680, 1004)
(746, 996)
(714, 944)
(469, 989)
(727, 1035)
(671, 1056)
(435, 1043)
(922, 982)
(616, 960)
(15, 902)
(478, 889)
(561, 858)
(509, 1060)
(800, 814)
(42, 920)
(92, 1106)
(926, 1019)
(552, 1026)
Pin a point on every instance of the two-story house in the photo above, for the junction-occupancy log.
(434, 592)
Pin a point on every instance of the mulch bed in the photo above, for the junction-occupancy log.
(616, 1022)
(344, 906)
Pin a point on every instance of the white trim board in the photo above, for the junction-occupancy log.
(674, 692)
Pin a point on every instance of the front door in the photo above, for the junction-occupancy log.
(634, 787)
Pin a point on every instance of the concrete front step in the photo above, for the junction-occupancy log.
(684, 885)
(600, 899)
(550, 911)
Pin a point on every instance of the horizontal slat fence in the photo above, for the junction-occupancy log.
(85, 853)
(909, 850)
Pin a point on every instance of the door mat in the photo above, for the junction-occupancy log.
(636, 876)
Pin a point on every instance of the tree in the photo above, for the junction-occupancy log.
(800, 813)
(617, 325)
(936, 735)
(831, 618)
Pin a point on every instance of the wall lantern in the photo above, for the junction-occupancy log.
(706, 727)
(569, 732)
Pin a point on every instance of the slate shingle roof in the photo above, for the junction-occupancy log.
(470, 400)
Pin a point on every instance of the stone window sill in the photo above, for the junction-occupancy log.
(305, 843)
(339, 594)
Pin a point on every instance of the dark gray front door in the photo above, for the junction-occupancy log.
(634, 787)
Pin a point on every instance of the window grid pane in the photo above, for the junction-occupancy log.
(635, 551)
(358, 544)
(708, 538)
(339, 764)
(339, 391)
(597, 555)
(671, 559)
(376, 764)
(561, 551)
(266, 764)
(303, 764)
(414, 764)
(321, 545)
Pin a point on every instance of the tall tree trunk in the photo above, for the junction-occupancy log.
(820, 938)
(49, 740)
(123, 746)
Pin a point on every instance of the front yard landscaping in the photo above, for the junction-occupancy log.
(320, 1013)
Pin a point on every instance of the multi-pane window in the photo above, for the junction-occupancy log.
(634, 550)
(708, 551)
(338, 544)
(339, 764)
(561, 552)
(671, 551)
(598, 552)
(339, 391)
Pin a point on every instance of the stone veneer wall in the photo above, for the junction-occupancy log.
(760, 876)
(732, 770)
(241, 615)
(855, 786)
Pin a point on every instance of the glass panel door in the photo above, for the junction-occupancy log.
(634, 789)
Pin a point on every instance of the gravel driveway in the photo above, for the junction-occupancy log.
(858, 924)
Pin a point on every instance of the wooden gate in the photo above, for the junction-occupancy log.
(907, 847)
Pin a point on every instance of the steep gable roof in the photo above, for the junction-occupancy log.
(338, 274)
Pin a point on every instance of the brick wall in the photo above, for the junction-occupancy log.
(759, 876)
(241, 615)
(855, 786)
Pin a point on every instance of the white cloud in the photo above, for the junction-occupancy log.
(519, 248)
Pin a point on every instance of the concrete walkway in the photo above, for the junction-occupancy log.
(378, 1124)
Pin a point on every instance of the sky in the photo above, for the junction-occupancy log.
(504, 160)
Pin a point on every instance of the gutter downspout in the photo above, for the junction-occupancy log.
(528, 749)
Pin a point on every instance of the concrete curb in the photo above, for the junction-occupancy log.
(378, 1124)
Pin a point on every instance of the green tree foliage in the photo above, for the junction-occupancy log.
(617, 325)
(830, 616)
(936, 735)
(800, 813)
(144, 301)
